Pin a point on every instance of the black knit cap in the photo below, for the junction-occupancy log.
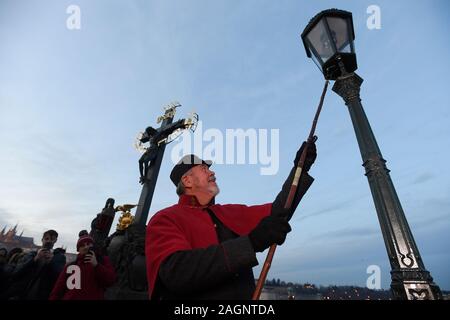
(184, 165)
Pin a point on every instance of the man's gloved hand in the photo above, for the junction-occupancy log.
(270, 230)
(311, 155)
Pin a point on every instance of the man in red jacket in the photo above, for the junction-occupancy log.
(197, 249)
(87, 277)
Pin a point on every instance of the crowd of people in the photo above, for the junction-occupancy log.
(44, 274)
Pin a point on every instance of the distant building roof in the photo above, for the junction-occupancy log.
(24, 239)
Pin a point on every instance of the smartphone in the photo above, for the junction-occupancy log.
(86, 256)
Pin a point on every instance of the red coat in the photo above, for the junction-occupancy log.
(94, 281)
(187, 226)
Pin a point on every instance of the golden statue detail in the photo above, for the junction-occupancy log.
(126, 218)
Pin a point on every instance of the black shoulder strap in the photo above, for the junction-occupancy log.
(223, 232)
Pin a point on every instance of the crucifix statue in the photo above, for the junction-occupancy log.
(150, 161)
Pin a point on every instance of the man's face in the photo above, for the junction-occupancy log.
(49, 241)
(201, 180)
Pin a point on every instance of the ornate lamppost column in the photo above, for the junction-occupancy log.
(410, 279)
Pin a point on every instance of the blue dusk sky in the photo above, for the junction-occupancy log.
(73, 100)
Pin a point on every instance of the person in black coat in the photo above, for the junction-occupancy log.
(34, 277)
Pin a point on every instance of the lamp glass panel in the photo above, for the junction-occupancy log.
(318, 37)
(317, 62)
(340, 33)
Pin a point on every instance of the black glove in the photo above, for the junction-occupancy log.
(311, 155)
(270, 230)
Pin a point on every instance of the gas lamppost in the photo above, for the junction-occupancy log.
(328, 40)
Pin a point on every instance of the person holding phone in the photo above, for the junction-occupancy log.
(35, 275)
(90, 274)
